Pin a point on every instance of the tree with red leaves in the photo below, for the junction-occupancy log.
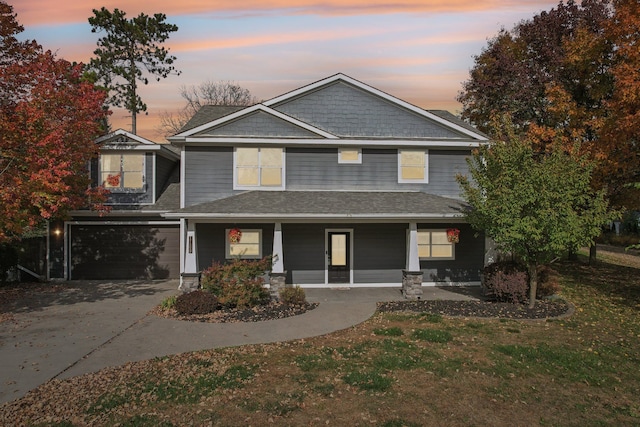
(49, 119)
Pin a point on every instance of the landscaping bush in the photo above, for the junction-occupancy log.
(506, 282)
(196, 302)
(293, 296)
(238, 284)
(168, 303)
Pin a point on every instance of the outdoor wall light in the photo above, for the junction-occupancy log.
(57, 232)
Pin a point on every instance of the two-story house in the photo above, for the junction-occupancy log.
(343, 184)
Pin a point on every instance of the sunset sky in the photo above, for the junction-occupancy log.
(418, 50)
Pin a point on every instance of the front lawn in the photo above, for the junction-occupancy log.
(397, 369)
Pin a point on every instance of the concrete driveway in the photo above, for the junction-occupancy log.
(88, 326)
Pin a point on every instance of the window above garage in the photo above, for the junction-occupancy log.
(122, 171)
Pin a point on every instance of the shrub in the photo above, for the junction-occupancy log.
(506, 282)
(168, 303)
(248, 293)
(293, 296)
(239, 283)
(197, 302)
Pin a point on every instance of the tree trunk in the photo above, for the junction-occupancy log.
(592, 254)
(533, 283)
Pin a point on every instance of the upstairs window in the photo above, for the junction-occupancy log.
(413, 166)
(122, 171)
(258, 168)
(434, 244)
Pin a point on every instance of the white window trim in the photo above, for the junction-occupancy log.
(227, 244)
(432, 258)
(353, 162)
(121, 189)
(425, 180)
(283, 174)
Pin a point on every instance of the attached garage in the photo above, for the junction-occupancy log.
(111, 252)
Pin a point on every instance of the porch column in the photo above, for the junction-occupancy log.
(413, 260)
(190, 277)
(412, 275)
(278, 258)
(277, 278)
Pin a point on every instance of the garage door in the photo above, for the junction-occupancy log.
(124, 251)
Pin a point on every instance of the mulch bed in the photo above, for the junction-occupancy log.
(256, 314)
(544, 309)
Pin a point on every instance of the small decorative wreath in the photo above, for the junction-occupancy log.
(235, 235)
(453, 235)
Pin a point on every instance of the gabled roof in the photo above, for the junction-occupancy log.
(250, 110)
(209, 113)
(279, 100)
(326, 204)
(337, 108)
(120, 139)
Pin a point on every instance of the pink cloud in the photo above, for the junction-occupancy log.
(35, 12)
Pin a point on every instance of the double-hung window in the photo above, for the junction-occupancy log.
(258, 167)
(413, 166)
(123, 171)
(434, 244)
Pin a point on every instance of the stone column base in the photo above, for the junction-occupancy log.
(412, 284)
(190, 282)
(277, 281)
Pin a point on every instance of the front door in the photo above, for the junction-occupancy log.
(338, 257)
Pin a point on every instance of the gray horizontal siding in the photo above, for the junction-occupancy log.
(379, 252)
(318, 169)
(164, 170)
(347, 111)
(208, 174)
(304, 256)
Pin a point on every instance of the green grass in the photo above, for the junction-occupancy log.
(432, 335)
(389, 332)
(372, 381)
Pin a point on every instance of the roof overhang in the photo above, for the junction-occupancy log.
(329, 143)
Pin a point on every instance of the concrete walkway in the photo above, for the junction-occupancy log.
(92, 325)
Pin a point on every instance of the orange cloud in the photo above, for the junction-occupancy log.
(36, 12)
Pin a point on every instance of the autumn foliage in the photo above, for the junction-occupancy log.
(571, 73)
(49, 119)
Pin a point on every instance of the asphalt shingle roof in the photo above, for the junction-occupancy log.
(209, 113)
(329, 203)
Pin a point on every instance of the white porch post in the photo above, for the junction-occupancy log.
(413, 260)
(190, 277)
(190, 253)
(412, 276)
(278, 255)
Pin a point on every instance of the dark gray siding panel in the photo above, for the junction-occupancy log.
(345, 110)
(211, 241)
(109, 252)
(208, 174)
(260, 124)
(318, 169)
(165, 168)
(469, 258)
(379, 253)
(304, 257)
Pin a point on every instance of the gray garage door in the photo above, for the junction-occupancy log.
(124, 252)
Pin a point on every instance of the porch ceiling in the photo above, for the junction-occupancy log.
(326, 204)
